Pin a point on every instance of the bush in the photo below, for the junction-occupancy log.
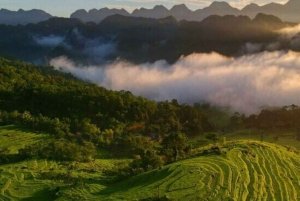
(212, 136)
(148, 161)
(60, 150)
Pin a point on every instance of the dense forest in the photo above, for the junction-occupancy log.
(84, 117)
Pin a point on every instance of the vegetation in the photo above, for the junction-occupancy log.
(34, 91)
(242, 170)
(67, 139)
(85, 117)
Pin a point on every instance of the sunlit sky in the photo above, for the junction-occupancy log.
(63, 8)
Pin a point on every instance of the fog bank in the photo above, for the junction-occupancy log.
(245, 84)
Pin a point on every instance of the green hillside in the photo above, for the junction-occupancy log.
(15, 138)
(44, 179)
(66, 139)
(246, 170)
(236, 170)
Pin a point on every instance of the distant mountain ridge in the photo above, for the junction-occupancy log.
(95, 15)
(23, 17)
(137, 39)
(287, 12)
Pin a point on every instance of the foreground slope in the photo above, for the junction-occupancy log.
(45, 179)
(246, 170)
(239, 170)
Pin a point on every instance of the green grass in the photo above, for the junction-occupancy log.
(15, 138)
(285, 138)
(36, 179)
(246, 170)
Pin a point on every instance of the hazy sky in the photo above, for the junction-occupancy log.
(64, 8)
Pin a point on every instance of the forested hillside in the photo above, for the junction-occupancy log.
(83, 114)
(62, 124)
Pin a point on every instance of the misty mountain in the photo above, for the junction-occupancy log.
(157, 12)
(22, 17)
(143, 40)
(287, 12)
(140, 40)
(216, 8)
(97, 16)
(181, 12)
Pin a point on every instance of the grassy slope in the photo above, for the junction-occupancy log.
(15, 137)
(285, 138)
(246, 170)
(23, 180)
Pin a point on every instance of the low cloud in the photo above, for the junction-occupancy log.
(289, 38)
(245, 83)
(250, 48)
(96, 49)
(48, 41)
(290, 32)
(98, 52)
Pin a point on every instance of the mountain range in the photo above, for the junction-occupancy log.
(23, 17)
(287, 12)
(139, 40)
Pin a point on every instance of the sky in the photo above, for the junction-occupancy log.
(66, 7)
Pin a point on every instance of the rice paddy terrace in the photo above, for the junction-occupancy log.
(245, 170)
(238, 170)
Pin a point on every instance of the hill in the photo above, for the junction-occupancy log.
(287, 12)
(244, 170)
(44, 179)
(45, 98)
(97, 16)
(23, 17)
(67, 139)
(138, 40)
(236, 170)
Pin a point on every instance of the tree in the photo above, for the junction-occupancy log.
(191, 120)
(148, 161)
(137, 144)
(212, 136)
(175, 146)
(88, 130)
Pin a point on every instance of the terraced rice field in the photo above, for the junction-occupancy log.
(284, 137)
(26, 180)
(19, 181)
(246, 170)
(15, 138)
